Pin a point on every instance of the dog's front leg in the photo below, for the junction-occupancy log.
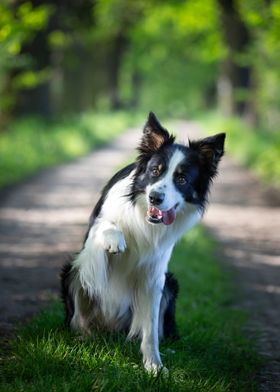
(110, 237)
(150, 339)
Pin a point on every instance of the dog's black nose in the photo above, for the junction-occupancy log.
(156, 198)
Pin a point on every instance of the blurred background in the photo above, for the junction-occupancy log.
(75, 74)
(64, 62)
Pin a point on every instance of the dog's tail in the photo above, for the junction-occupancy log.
(66, 295)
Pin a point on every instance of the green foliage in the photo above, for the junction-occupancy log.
(29, 79)
(170, 58)
(114, 17)
(256, 148)
(175, 48)
(263, 19)
(32, 143)
(18, 25)
(211, 355)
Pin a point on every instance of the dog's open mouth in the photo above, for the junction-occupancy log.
(155, 215)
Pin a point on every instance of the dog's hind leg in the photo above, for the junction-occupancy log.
(167, 322)
(78, 306)
(66, 295)
(83, 308)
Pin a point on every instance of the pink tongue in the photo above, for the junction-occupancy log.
(169, 216)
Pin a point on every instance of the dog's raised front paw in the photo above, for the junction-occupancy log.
(113, 241)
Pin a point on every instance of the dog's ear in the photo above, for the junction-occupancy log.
(154, 136)
(210, 150)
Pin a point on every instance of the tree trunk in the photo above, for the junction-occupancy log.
(38, 99)
(118, 50)
(135, 87)
(234, 85)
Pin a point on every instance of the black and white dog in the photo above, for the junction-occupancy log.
(119, 280)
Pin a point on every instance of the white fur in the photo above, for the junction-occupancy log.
(132, 279)
(166, 185)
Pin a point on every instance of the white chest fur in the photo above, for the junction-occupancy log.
(144, 252)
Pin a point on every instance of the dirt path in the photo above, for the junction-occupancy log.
(43, 220)
(246, 221)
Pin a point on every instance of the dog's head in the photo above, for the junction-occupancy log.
(170, 174)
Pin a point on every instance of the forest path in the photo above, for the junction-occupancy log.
(44, 219)
(244, 216)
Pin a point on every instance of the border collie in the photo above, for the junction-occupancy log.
(119, 280)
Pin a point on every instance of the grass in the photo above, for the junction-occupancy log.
(212, 354)
(257, 148)
(32, 143)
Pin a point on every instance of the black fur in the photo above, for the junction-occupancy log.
(208, 152)
(154, 137)
(117, 177)
(65, 277)
(170, 291)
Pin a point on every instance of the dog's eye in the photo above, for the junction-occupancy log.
(155, 172)
(181, 179)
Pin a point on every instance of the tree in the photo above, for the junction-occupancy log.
(68, 20)
(18, 25)
(235, 80)
(116, 20)
(176, 47)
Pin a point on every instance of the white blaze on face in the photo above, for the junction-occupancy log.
(172, 196)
